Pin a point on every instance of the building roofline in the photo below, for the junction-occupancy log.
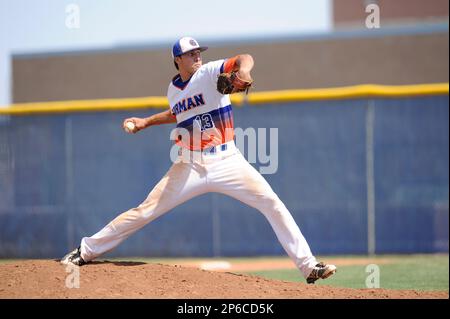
(434, 28)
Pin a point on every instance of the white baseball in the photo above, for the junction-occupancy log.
(130, 126)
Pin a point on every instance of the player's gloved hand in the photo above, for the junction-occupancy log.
(139, 124)
(233, 82)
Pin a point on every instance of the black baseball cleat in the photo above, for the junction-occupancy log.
(321, 271)
(74, 257)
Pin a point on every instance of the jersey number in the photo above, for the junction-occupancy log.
(205, 121)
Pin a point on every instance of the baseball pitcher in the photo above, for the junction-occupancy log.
(208, 160)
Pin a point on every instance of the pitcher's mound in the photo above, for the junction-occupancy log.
(50, 279)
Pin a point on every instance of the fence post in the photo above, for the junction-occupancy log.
(370, 119)
(69, 181)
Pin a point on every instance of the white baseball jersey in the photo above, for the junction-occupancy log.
(200, 108)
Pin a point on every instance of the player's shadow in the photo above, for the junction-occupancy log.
(115, 263)
(119, 263)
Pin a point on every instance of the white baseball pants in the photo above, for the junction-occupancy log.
(226, 172)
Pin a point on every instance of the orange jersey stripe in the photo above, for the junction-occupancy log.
(229, 64)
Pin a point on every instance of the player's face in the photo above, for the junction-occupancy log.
(190, 61)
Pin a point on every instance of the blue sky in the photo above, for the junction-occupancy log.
(28, 26)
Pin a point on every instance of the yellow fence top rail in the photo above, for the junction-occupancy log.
(348, 92)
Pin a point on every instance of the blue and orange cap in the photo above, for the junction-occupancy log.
(185, 45)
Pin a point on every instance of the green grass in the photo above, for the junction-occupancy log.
(4, 261)
(422, 272)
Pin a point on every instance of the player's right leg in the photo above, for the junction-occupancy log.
(182, 182)
(235, 177)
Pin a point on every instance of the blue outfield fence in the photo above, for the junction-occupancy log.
(65, 176)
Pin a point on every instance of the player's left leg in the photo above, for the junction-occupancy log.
(182, 182)
(235, 177)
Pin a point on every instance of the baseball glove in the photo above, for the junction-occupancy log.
(228, 83)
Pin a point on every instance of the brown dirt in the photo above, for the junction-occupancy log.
(47, 279)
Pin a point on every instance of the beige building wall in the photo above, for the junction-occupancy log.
(295, 64)
(352, 13)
